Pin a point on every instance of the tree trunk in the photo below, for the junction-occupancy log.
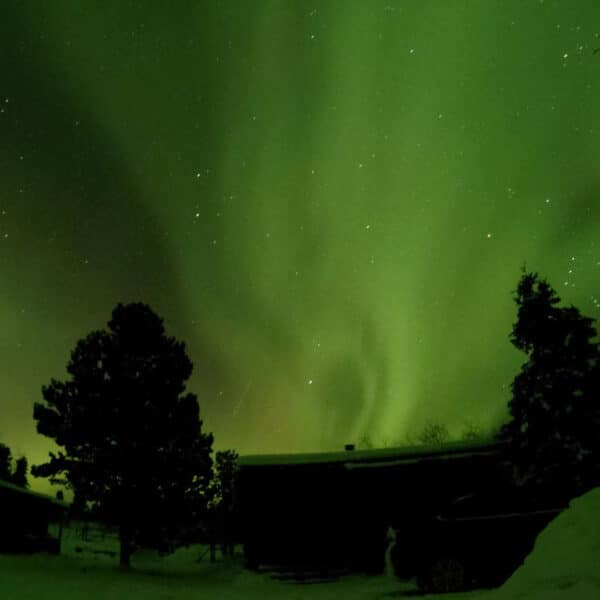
(125, 550)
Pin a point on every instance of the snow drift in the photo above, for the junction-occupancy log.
(565, 561)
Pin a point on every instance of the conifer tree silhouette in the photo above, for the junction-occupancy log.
(555, 407)
(132, 439)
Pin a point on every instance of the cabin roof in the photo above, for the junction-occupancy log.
(375, 457)
(19, 490)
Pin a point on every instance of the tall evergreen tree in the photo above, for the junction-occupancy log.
(554, 424)
(133, 443)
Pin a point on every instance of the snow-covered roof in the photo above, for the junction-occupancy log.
(15, 488)
(376, 457)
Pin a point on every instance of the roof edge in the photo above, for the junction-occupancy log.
(365, 456)
(16, 488)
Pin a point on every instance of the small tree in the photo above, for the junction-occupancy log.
(19, 477)
(133, 445)
(472, 432)
(5, 463)
(226, 470)
(16, 476)
(365, 442)
(433, 434)
(555, 415)
(222, 503)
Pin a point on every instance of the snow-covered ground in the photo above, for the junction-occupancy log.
(565, 562)
(565, 565)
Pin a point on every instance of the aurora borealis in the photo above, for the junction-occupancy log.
(330, 201)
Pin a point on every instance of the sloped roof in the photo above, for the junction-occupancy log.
(15, 488)
(376, 457)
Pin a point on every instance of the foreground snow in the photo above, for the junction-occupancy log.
(565, 562)
(178, 577)
(565, 565)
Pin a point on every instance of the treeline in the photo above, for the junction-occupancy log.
(135, 454)
(433, 433)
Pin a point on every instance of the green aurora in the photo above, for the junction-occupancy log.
(330, 202)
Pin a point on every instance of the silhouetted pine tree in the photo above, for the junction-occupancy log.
(19, 477)
(5, 463)
(133, 444)
(555, 411)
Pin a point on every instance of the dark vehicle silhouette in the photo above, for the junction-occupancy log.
(481, 539)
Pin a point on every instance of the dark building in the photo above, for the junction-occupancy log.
(25, 518)
(332, 511)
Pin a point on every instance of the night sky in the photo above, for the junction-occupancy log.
(330, 202)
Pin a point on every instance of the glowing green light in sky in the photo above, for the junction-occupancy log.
(330, 202)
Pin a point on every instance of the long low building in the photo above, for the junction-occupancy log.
(25, 520)
(332, 510)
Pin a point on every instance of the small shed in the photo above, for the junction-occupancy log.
(26, 518)
(332, 510)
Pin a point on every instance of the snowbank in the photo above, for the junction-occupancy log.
(565, 561)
